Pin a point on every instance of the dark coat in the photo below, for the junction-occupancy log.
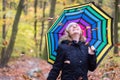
(80, 61)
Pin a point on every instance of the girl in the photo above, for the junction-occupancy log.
(74, 56)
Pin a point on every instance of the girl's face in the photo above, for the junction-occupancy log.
(74, 29)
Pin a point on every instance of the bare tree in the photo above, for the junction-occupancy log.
(119, 9)
(100, 3)
(116, 26)
(88, 1)
(25, 9)
(9, 49)
(43, 21)
(3, 29)
(35, 25)
(40, 1)
(52, 11)
(35, 22)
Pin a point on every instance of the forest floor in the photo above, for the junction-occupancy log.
(29, 68)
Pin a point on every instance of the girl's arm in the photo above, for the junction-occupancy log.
(57, 66)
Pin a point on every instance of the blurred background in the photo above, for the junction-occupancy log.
(24, 24)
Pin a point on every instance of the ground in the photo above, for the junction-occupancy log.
(29, 68)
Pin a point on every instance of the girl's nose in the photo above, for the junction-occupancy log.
(74, 26)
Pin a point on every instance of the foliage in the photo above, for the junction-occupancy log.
(25, 41)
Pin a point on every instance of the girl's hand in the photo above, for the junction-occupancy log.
(91, 50)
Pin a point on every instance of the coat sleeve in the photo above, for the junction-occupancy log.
(57, 66)
(92, 62)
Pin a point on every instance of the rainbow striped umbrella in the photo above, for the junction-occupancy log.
(94, 22)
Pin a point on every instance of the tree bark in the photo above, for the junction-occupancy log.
(100, 3)
(51, 15)
(87, 1)
(10, 47)
(116, 26)
(35, 22)
(52, 11)
(41, 39)
(25, 9)
(35, 25)
(40, 3)
(119, 10)
(3, 29)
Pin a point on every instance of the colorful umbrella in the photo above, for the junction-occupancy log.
(96, 26)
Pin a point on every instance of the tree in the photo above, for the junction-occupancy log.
(100, 3)
(5, 58)
(116, 26)
(51, 15)
(35, 24)
(119, 9)
(25, 9)
(40, 1)
(41, 39)
(87, 1)
(52, 11)
(3, 29)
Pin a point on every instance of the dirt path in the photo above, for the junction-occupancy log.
(28, 68)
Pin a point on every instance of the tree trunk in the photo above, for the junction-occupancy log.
(87, 1)
(35, 23)
(3, 29)
(10, 47)
(35, 26)
(100, 3)
(51, 15)
(116, 27)
(72, 1)
(119, 10)
(25, 9)
(41, 39)
(52, 11)
(40, 3)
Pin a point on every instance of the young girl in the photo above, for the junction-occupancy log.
(74, 56)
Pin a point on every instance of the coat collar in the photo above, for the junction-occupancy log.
(73, 42)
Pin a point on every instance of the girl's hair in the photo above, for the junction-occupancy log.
(66, 36)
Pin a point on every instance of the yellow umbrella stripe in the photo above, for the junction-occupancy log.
(73, 7)
(47, 46)
(102, 53)
(109, 32)
(103, 14)
(51, 61)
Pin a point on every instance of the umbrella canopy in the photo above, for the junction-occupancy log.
(94, 22)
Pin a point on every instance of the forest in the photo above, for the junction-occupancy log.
(23, 44)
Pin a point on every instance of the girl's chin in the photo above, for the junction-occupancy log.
(76, 32)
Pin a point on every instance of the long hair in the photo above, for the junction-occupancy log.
(67, 36)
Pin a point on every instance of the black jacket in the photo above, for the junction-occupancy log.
(79, 61)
